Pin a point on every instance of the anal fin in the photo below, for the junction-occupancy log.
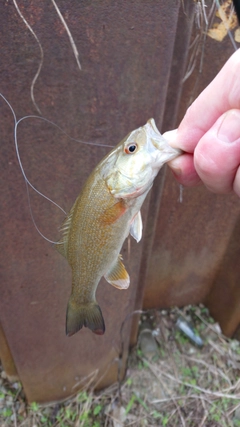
(118, 276)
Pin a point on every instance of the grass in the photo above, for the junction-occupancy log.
(172, 384)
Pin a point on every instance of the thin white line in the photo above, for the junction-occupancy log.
(27, 182)
(74, 48)
(41, 53)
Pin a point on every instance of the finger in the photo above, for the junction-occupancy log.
(236, 182)
(221, 95)
(182, 167)
(217, 155)
(184, 170)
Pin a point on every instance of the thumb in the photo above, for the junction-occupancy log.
(217, 154)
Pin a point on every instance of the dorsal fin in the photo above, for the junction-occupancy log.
(62, 245)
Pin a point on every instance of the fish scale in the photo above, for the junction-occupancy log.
(105, 212)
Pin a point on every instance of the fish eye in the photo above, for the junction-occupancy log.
(131, 148)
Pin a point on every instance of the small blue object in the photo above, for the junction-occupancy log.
(187, 329)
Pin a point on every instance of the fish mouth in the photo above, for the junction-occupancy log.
(152, 124)
(162, 145)
(159, 142)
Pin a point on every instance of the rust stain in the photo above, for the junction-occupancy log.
(32, 11)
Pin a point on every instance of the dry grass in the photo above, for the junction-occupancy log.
(169, 382)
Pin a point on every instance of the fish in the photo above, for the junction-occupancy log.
(106, 211)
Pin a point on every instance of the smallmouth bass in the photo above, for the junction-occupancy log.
(103, 215)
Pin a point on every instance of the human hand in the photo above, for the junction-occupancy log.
(209, 134)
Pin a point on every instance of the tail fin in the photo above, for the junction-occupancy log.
(89, 315)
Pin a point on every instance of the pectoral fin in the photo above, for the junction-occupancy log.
(118, 276)
(113, 213)
(136, 227)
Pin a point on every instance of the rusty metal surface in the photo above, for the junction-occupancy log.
(134, 56)
(195, 249)
(126, 61)
(223, 299)
(6, 358)
(189, 245)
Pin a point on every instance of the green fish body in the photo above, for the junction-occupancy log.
(103, 215)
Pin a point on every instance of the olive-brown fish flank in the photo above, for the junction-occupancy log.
(105, 212)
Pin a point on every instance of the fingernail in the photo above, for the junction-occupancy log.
(229, 130)
(175, 168)
(170, 136)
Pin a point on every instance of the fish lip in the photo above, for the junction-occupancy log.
(166, 149)
(159, 142)
(165, 153)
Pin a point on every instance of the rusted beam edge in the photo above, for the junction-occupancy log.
(6, 358)
(168, 115)
(180, 59)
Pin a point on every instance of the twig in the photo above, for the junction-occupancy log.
(206, 391)
(211, 368)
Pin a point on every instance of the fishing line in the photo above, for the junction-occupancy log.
(17, 122)
(41, 54)
(63, 131)
(72, 42)
(27, 182)
(202, 20)
(181, 188)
